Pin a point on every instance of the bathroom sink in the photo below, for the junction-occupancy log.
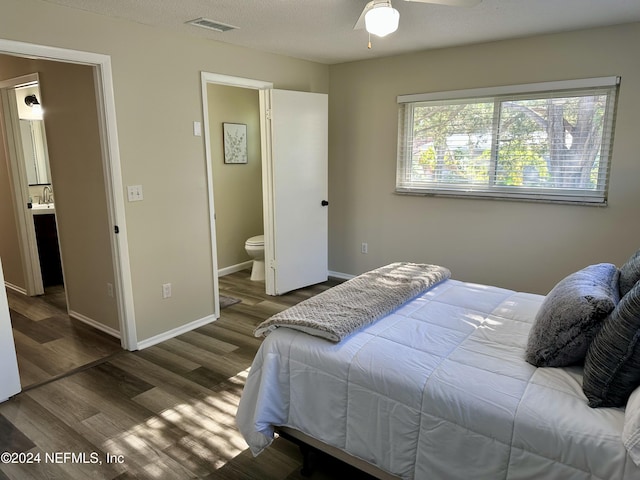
(43, 208)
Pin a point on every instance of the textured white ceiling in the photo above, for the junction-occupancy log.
(322, 30)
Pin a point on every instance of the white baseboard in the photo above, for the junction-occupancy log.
(15, 288)
(341, 276)
(97, 325)
(149, 342)
(235, 268)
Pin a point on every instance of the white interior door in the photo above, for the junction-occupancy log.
(295, 158)
(9, 377)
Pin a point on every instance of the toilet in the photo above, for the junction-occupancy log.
(255, 248)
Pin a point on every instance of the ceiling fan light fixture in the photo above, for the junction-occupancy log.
(382, 19)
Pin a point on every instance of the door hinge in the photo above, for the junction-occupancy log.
(116, 229)
(268, 114)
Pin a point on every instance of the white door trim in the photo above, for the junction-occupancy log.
(266, 139)
(30, 258)
(215, 78)
(111, 166)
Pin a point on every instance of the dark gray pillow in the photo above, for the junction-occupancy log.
(630, 274)
(612, 366)
(571, 315)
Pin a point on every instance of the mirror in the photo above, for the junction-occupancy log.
(35, 152)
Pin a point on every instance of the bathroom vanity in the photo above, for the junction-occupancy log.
(44, 220)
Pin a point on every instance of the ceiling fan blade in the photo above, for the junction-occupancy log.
(452, 3)
(360, 23)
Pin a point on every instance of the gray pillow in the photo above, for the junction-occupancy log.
(571, 315)
(629, 274)
(612, 366)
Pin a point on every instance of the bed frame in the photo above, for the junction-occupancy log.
(308, 445)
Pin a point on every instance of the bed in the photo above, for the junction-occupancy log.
(439, 388)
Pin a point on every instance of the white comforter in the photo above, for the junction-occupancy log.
(437, 390)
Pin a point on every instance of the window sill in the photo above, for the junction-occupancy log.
(531, 198)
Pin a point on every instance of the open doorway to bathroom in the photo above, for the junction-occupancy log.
(32, 170)
(41, 197)
(79, 321)
(237, 180)
(50, 342)
(294, 160)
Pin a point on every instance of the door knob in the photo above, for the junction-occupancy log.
(324, 203)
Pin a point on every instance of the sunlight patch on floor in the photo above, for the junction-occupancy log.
(212, 436)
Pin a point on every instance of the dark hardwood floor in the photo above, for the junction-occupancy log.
(50, 344)
(161, 413)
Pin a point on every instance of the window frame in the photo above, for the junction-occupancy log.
(498, 95)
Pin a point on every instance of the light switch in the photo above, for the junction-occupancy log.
(134, 193)
(197, 129)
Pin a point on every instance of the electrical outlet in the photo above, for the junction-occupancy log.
(110, 289)
(166, 290)
(364, 248)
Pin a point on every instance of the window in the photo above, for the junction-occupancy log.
(546, 141)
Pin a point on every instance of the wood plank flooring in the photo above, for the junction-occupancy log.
(166, 412)
(50, 344)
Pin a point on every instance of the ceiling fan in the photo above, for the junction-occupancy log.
(380, 18)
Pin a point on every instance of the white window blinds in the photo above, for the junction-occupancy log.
(546, 141)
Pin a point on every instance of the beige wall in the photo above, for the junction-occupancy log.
(156, 77)
(237, 187)
(75, 158)
(71, 123)
(524, 246)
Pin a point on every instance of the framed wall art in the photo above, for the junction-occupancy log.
(235, 142)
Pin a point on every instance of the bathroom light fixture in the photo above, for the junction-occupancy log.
(36, 109)
(31, 100)
(382, 19)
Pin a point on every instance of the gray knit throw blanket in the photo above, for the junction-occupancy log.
(345, 308)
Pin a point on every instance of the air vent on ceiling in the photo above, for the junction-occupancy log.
(211, 25)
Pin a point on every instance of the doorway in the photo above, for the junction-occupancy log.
(294, 157)
(49, 342)
(237, 181)
(30, 176)
(216, 80)
(104, 130)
